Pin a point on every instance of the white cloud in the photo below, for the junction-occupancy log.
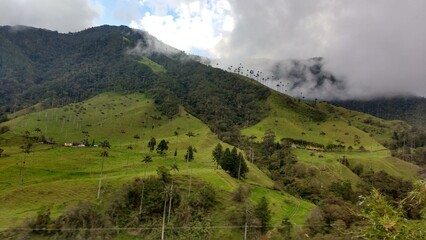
(63, 16)
(378, 47)
(190, 26)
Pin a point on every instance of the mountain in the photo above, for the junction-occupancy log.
(62, 68)
(108, 128)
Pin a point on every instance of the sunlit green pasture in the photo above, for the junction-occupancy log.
(55, 176)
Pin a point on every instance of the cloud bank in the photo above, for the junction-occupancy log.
(63, 15)
(377, 47)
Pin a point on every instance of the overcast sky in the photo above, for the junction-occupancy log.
(377, 46)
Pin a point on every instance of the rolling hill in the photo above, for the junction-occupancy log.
(124, 86)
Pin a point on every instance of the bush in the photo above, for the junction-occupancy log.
(343, 189)
(241, 194)
(88, 218)
(358, 169)
(42, 224)
(4, 129)
(164, 174)
(204, 199)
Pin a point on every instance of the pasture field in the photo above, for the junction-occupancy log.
(56, 176)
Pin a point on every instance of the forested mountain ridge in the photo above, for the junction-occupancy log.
(410, 109)
(41, 65)
(65, 66)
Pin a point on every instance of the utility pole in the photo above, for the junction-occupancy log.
(141, 203)
(170, 202)
(239, 169)
(100, 179)
(245, 226)
(21, 178)
(164, 217)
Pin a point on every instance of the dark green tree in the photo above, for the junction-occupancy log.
(105, 144)
(189, 156)
(147, 159)
(104, 153)
(263, 213)
(233, 170)
(217, 154)
(151, 144)
(242, 166)
(226, 159)
(162, 147)
(233, 163)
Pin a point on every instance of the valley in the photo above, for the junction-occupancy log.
(103, 138)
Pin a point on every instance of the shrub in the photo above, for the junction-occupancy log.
(241, 194)
(87, 217)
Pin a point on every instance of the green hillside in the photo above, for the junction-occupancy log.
(322, 123)
(56, 176)
(75, 107)
(325, 124)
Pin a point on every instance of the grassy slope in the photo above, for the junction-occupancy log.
(58, 176)
(288, 123)
(155, 67)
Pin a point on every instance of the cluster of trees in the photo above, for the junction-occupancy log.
(338, 214)
(375, 216)
(335, 147)
(162, 146)
(381, 206)
(231, 161)
(180, 216)
(409, 145)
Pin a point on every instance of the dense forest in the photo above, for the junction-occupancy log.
(410, 109)
(38, 65)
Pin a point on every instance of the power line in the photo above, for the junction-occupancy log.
(159, 227)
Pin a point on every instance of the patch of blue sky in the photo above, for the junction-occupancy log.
(122, 12)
